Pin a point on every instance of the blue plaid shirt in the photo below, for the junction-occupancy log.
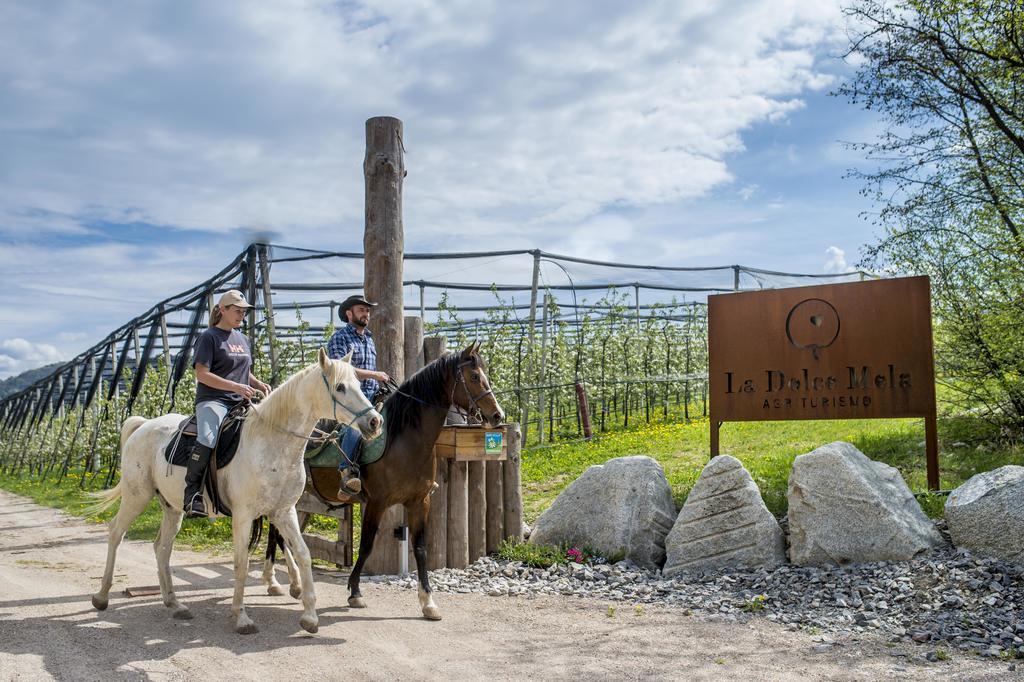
(364, 353)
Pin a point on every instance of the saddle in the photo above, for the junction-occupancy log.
(323, 460)
(180, 447)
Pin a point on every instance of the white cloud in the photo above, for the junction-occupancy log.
(18, 355)
(527, 124)
(234, 114)
(835, 260)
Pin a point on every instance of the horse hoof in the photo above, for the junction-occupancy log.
(99, 604)
(356, 602)
(182, 614)
(309, 624)
(275, 591)
(247, 629)
(295, 591)
(432, 613)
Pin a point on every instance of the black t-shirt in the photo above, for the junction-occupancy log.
(227, 355)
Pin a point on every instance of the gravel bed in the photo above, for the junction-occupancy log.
(947, 599)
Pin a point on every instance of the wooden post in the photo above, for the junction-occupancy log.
(495, 506)
(584, 410)
(510, 489)
(268, 306)
(414, 354)
(458, 515)
(135, 343)
(532, 334)
(384, 170)
(383, 244)
(413, 357)
(437, 522)
(165, 338)
(477, 511)
(542, 374)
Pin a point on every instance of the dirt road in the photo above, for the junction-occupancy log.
(50, 564)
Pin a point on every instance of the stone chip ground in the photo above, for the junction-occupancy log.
(50, 564)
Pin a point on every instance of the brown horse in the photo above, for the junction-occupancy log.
(405, 474)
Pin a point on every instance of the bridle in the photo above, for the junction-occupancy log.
(322, 436)
(335, 402)
(462, 381)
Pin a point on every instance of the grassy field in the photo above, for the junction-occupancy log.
(766, 449)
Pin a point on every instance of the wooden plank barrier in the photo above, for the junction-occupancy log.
(338, 552)
(458, 513)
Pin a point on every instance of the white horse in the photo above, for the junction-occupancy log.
(265, 478)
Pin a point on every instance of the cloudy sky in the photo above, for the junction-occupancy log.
(144, 143)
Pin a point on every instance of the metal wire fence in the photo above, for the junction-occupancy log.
(627, 341)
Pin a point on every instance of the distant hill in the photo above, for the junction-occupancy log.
(12, 385)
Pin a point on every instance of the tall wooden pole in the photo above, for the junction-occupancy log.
(383, 244)
(384, 171)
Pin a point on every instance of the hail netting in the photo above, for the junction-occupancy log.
(633, 336)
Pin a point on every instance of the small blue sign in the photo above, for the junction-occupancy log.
(492, 442)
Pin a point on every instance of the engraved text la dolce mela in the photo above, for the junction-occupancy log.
(852, 388)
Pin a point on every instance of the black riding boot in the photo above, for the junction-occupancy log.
(197, 463)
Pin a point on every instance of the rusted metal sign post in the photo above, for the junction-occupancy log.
(837, 351)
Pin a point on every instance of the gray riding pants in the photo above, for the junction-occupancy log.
(209, 415)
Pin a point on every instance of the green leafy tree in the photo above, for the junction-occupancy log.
(947, 77)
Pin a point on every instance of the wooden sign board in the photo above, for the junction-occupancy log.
(860, 350)
(472, 443)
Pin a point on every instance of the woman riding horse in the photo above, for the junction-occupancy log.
(224, 379)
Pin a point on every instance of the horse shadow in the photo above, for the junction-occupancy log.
(135, 629)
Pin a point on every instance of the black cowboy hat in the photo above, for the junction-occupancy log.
(355, 299)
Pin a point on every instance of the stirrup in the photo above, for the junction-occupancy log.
(196, 508)
(351, 486)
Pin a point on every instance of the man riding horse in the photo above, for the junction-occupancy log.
(356, 339)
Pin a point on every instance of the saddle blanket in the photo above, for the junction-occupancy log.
(329, 455)
(178, 450)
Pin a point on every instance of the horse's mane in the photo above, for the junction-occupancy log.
(273, 408)
(426, 385)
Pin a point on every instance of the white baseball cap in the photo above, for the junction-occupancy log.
(233, 297)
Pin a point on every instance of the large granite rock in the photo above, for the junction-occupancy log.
(986, 514)
(622, 506)
(846, 508)
(724, 523)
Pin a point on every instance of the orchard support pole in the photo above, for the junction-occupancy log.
(383, 246)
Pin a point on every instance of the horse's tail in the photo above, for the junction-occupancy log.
(108, 498)
(130, 425)
(256, 534)
(105, 500)
(274, 542)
